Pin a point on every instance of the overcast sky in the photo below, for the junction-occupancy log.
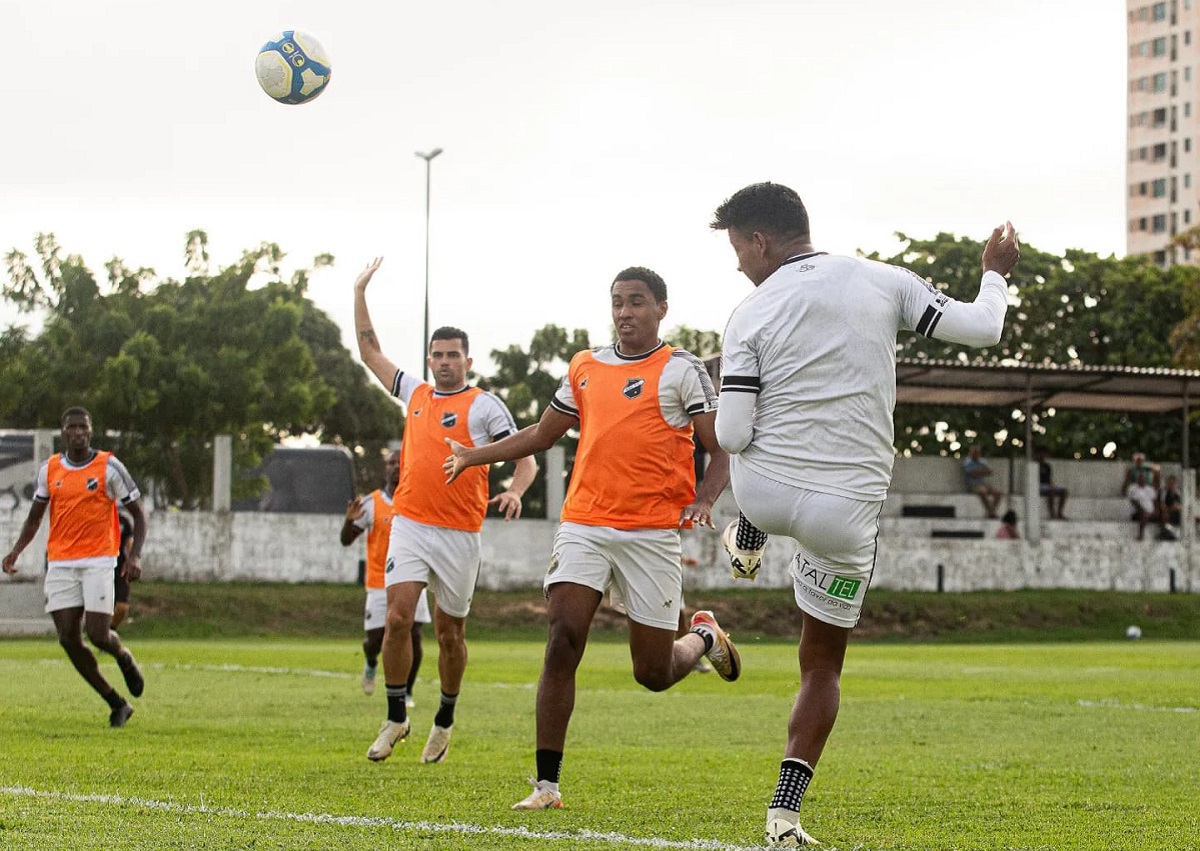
(580, 138)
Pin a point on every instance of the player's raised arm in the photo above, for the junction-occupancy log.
(364, 331)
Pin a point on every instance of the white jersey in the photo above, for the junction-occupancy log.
(808, 367)
(488, 420)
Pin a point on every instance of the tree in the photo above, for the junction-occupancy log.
(1077, 309)
(526, 381)
(165, 366)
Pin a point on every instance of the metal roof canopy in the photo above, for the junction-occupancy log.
(1095, 388)
(1040, 386)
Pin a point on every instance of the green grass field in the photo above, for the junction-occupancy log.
(259, 744)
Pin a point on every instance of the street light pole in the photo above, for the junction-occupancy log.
(425, 339)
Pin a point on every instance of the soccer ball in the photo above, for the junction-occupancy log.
(1133, 632)
(292, 67)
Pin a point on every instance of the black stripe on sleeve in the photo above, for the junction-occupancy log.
(928, 319)
(563, 409)
(739, 383)
(396, 383)
(933, 325)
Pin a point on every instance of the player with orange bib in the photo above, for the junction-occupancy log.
(82, 489)
(435, 540)
(373, 514)
(636, 404)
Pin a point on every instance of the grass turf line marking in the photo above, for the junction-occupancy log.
(375, 821)
(1139, 707)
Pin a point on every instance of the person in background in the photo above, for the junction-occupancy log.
(1008, 527)
(373, 514)
(1056, 495)
(1138, 463)
(124, 573)
(82, 488)
(976, 473)
(1144, 499)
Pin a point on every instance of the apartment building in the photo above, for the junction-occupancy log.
(1163, 166)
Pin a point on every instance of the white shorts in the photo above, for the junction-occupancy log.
(641, 565)
(444, 560)
(71, 587)
(836, 535)
(375, 612)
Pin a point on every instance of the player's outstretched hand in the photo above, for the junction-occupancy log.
(364, 277)
(698, 514)
(454, 463)
(355, 510)
(10, 563)
(1002, 250)
(509, 503)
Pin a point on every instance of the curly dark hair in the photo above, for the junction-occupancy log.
(449, 332)
(766, 207)
(653, 280)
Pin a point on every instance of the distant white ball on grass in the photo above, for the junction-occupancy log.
(292, 67)
(1133, 632)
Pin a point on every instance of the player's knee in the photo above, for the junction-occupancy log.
(99, 635)
(398, 622)
(564, 647)
(652, 676)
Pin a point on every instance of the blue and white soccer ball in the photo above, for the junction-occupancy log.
(292, 67)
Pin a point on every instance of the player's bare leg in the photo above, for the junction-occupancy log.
(451, 635)
(68, 623)
(397, 658)
(822, 654)
(659, 658)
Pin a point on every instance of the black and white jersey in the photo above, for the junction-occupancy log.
(808, 367)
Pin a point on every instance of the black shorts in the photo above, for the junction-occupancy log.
(121, 585)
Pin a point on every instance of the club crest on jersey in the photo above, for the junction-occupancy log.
(449, 419)
(93, 484)
(633, 387)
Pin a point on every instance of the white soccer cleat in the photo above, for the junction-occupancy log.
(368, 681)
(409, 702)
(390, 733)
(724, 653)
(437, 745)
(541, 798)
(743, 564)
(783, 833)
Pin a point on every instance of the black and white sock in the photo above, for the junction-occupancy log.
(794, 777)
(397, 711)
(749, 536)
(445, 713)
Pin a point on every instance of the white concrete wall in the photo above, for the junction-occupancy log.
(206, 547)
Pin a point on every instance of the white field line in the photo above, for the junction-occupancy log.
(397, 825)
(1137, 707)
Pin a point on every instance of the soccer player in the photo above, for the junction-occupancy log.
(373, 514)
(636, 404)
(434, 540)
(82, 488)
(123, 574)
(808, 388)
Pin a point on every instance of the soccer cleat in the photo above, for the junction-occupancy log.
(120, 715)
(723, 654)
(134, 680)
(409, 702)
(702, 667)
(368, 681)
(437, 745)
(541, 798)
(390, 733)
(783, 833)
(743, 563)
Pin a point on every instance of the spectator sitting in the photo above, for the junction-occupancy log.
(975, 475)
(1145, 502)
(1139, 463)
(1008, 526)
(1171, 502)
(1056, 495)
